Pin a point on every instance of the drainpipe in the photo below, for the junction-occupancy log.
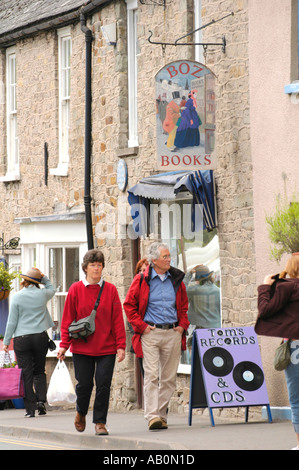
(87, 176)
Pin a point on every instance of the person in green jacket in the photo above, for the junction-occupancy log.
(28, 322)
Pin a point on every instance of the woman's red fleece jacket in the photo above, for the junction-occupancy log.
(109, 335)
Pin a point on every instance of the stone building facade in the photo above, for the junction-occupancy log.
(41, 208)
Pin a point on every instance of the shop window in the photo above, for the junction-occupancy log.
(188, 252)
(204, 294)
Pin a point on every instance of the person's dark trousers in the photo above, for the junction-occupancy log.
(86, 368)
(31, 351)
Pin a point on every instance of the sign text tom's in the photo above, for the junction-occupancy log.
(185, 111)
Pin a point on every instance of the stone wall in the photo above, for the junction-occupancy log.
(234, 171)
(37, 107)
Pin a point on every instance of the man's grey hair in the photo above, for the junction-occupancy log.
(154, 251)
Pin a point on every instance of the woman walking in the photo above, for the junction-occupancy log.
(93, 357)
(27, 323)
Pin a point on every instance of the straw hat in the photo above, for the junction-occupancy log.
(33, 275)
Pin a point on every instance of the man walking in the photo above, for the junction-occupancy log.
(156, 306)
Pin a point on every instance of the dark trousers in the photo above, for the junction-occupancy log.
(86, 368)
(31, 351)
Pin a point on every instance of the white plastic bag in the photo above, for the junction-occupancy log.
(61, 390)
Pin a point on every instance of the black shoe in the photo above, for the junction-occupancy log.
(29, 414)
(41, 408)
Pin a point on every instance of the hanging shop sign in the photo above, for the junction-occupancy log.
(185, 117)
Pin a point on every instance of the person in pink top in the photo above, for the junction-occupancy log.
(93, 357)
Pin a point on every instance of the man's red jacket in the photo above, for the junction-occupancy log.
(136, 301)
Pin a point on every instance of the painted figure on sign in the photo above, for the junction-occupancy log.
(171, 122)
(187, 134)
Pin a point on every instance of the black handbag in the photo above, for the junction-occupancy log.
(51, 345)
(83, 328)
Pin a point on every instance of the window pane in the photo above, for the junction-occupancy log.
(56, 268)
(65, 114)
(203, 292)
(71, 266)
(64, 271)
(12, 83)
(187, 252)
(65, 66)
(64, 97)
(12, 128)
(132, 77)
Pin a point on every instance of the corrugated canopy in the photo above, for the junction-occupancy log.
(160, 186)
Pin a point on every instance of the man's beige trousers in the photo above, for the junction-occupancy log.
(161, 356)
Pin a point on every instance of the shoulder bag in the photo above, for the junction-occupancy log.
(282, 357)
(83, 328)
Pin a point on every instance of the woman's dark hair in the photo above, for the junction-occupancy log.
(93, 256)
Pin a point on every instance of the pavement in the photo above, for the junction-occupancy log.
(128, 432)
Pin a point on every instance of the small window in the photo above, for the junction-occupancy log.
(12, 170)
(64, 74)
(132, 15)
(292, 89)
(298, 36)
(198, 35)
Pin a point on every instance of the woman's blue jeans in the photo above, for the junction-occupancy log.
(292, 378)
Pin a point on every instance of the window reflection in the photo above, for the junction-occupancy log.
(201, 263)
(63, 272)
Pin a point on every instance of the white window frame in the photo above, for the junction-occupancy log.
(298, 37)
(39, 234)
(14, 263)
(132, 71)
(64, 79)
(198, 34)
(292, 89)
(61, 291)
(12, 140)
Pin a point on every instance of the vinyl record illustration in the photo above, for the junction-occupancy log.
(218, 362)
(248, 376)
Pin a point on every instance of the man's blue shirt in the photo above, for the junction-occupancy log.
(161, 308)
